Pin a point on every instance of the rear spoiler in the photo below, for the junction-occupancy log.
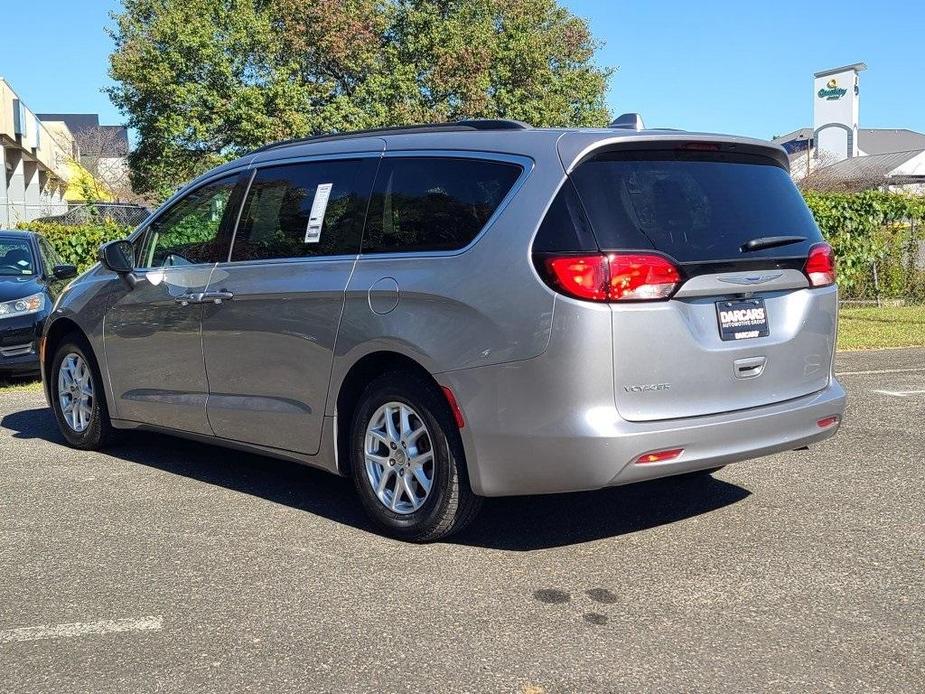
(576, 147)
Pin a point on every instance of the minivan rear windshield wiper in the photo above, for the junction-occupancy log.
(770, 242)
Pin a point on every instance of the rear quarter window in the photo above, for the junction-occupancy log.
(434, 203)
(692, 207)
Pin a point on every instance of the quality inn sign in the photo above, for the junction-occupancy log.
(832, 92)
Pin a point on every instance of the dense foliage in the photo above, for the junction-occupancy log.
(874, 229)
(202, 81)
(78, 244)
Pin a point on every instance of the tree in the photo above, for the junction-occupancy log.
(204, 80)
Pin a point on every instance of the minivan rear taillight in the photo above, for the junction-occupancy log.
(612, 276)
(820, 265)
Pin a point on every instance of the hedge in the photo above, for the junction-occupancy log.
(78, 244)
(868, 230)
(874, 229)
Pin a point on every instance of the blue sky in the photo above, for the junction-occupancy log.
(738, 67)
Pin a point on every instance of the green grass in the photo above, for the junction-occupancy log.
(877, 328)
(21, 385)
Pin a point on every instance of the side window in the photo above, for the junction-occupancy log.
(52, 257)
(189, 232)
(434, 203)
(305, 209)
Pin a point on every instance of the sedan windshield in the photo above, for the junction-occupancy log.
(16, 258)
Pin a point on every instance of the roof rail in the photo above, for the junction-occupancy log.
(452, 126)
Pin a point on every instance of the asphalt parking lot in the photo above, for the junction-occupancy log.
(171, 566)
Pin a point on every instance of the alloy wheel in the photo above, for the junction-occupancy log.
(399, 457)
(75, 392)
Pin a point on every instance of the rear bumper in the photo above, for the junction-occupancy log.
(593, 447)
(550, 424)
(730, 438)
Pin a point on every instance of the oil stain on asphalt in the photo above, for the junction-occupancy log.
(604, 596)
(551, 596)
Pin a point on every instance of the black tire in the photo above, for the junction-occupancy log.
(98, 432)
(451, 504)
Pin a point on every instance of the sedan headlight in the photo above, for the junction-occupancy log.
(22, 307)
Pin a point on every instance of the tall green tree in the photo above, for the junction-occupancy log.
(202, 81)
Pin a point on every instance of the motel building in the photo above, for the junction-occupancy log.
(849, 156)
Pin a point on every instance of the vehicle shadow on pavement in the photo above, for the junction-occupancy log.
(525, 523)
(515, 523)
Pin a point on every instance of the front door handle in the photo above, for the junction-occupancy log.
(215, 297)
(188, 299)
(204, 298)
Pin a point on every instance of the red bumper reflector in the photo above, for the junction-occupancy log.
(826, 422)
(454, 406)
(659, 456)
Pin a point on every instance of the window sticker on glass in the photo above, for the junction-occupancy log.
(316, 216)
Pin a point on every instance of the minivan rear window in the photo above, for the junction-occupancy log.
(694, 207)
(434, 203)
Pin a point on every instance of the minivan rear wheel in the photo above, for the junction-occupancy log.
(77, 397)
(407, 460)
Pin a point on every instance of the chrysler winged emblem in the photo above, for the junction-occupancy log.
(751, 279)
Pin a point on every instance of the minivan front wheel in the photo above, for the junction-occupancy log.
(77, 397)
(407, 460)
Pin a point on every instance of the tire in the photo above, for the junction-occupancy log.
(449, 504)
(97, 431)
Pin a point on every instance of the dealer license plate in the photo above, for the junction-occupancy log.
(742, 320)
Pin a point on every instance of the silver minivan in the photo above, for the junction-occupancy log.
(465, 310)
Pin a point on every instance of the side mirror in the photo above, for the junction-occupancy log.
(64, 272)
(119, 256)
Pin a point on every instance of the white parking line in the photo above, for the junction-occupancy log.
(899, 393)
(57, 631)
(878, 371)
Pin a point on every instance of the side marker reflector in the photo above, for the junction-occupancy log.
(659, 456)
(454, 406)
(826, 422)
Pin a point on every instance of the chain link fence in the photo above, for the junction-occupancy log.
(121, 214)
(897, 277)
